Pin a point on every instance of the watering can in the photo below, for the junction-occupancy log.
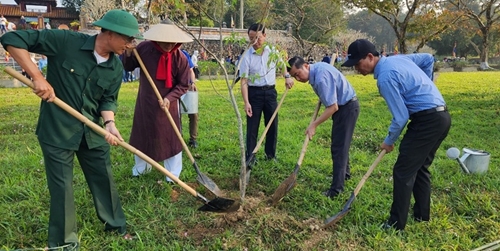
(473, 161)
(189, 102)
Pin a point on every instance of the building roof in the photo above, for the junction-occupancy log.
(57, 12)
(38, 2)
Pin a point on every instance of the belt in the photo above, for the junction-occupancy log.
(428, 111)
(264, 87)
(352, 100)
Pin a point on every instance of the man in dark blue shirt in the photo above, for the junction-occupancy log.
(327, 59)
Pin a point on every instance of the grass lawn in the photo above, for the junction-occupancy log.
(464, 209)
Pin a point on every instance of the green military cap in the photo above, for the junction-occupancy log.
(120, 21)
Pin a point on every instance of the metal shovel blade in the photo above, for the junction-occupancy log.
(336, 218)
(206, 181)
(209, 184)
(220, 205)
(285, 186)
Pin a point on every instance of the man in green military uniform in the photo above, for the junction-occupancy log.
(84, 72)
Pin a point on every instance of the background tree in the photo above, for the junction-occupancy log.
(431, 22)
(405, 17)
(72, 5)
(463, 35)
(340, 42)
(312, 21)
(95, 9)
(372, 25)
(485, 14)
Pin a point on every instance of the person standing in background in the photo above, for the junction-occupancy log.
(3, 24)
(22, 22)
(194, 60)
(193, 117)
(327, 59)
(42, 63)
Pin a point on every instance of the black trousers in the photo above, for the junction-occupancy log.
(411, 172)
(344, 122)
(263, 101)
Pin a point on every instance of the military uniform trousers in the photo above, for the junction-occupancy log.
(96, 167)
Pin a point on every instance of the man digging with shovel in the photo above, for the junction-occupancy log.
(339, 98)
(84, 72)
(405, 82)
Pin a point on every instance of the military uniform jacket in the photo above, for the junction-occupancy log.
(77, 79)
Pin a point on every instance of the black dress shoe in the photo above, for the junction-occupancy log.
(271, 158)
(386, 226)
(330, 194)
(192, 143)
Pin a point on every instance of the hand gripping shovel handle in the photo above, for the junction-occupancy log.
(347, 207)
(202, 178)
(103, 132)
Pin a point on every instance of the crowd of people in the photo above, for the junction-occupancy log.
(87, 80)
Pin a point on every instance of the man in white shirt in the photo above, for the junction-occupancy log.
(258, 78)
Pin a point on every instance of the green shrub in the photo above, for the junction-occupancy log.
(438, 66)
(458, 65)
(212, 68)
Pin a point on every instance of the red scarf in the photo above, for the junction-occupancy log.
(164, 72)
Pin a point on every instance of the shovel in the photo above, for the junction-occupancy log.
(347, 207)
(202, 178)
(289, 183)
(251, 158)
(215, 205)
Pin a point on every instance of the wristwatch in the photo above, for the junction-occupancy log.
(287, 75)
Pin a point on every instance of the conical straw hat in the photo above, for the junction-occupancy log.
(167, 31)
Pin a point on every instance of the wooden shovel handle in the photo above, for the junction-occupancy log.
(160, 98)
(103, 132)
(368, 173)
(306, 140)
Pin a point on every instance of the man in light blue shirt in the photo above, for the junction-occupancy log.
(258, 79)
(42, 63)
(405, 82)
(339, 98)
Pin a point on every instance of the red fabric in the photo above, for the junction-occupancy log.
(164, 72)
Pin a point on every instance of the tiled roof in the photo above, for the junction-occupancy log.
(38, 2)
(15, 11)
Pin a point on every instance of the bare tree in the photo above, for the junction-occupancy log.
(95, 9)
(312, 21)
(409, 18)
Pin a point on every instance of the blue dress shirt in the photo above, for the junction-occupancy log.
(330, 85)
(405, 82)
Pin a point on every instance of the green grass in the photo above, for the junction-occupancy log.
(464, 210)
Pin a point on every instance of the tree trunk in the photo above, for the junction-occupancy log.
(484, 52)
